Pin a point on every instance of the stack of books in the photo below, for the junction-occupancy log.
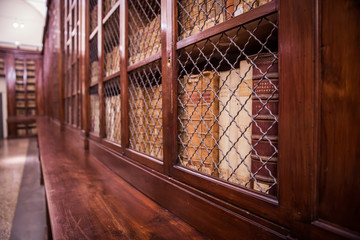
(112, 61)
(94, 113)
(94, 18)
(113, 118)
(199, 128)
(94, 72)
(108, 4)
(145, 41)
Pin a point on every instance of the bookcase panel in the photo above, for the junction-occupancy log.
(228, 107)
(144, 29)
(108, 5)
(2, 66)
(94, 61)
(94, 110)
(145, 110)
(111, 44)
(93, 15)
(113, 110)
(196, 16)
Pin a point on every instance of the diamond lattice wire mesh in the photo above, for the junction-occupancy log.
(145, 102)
(111, 44)
(144, 29)
(113, 110)
(93, 15)
(94, 110)
(94, 61)
(228, 106)
(198, 15)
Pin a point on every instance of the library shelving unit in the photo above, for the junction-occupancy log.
(213, 108)
(220, 81)
(216, 67)
(22, 70)
(2, 65)
(72, 86)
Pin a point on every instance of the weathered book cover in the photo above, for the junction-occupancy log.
(154, 119)
(235, 105)
(265, 98)
(199, 128)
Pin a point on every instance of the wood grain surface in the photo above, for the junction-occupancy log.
(88, 201)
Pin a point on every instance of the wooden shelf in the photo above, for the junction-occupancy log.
(144, 62)
(107, 78)
(93, 33)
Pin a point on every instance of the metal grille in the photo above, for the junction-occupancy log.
(94, 61)
(144, 29)
(198, 15)
(145, 102)
(94, 110)
(108, 4)
(111, 44)
(93, 15)
(228, 105)
(112, 110)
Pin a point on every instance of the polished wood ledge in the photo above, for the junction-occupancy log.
(86, 200)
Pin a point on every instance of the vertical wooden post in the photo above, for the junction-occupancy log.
(123, 74)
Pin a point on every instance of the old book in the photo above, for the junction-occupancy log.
(264, 156)
(138, 139)
(235, 105)
(93, 18)
(94, 113)
(94, 72)
(154, 119)
(31, 87)
(236, 7)
(199, 129)
(113, 118)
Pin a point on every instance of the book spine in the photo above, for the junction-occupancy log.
(198, 116)
(264, 136)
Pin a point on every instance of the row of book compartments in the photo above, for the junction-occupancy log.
(193, 16)
(22, 112)
(21, 87)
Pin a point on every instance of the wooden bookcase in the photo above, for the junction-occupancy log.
(22, 72)
(72, 87)
(216, 103)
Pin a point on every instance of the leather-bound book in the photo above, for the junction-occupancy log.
(199, 128)
(264, 137)
(235, 105)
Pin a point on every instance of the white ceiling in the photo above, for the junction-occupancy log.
(30, 14)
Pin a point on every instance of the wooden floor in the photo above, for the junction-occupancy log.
(88, 201)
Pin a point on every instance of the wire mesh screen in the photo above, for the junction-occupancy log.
(94, 110)
(94, 61)
(93, 15)
(145, 102)
(111, 44)
(228, 106)
(108, 4)
(144, 29)
(198, 15)
(113, 110)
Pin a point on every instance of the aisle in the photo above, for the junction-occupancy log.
(22, 198)
(12, 160)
